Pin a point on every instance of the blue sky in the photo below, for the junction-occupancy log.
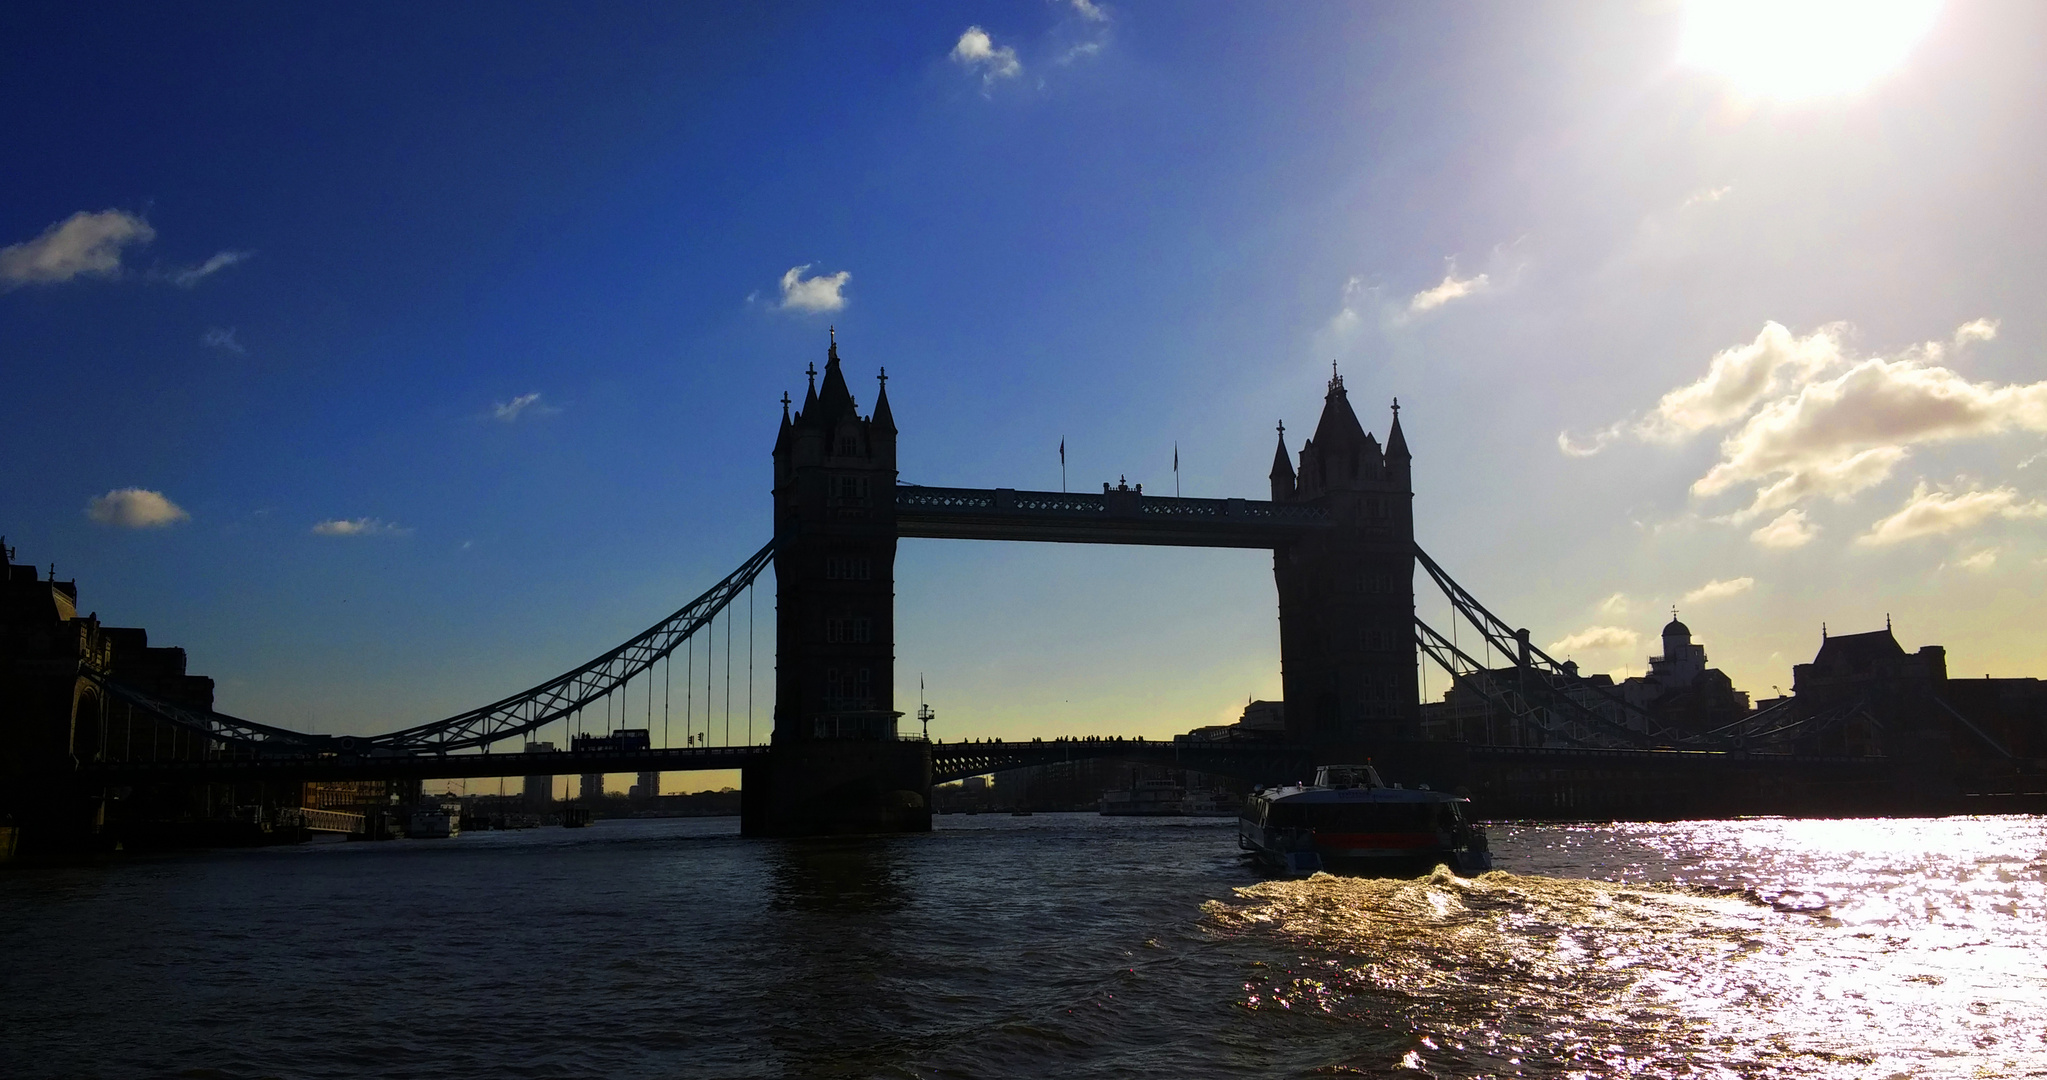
(393, 358)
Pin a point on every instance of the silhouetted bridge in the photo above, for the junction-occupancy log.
(1341, 532)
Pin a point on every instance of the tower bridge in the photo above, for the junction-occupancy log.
(1338, 519)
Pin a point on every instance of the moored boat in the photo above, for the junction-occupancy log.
(1350, 821)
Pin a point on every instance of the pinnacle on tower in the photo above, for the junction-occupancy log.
(834, 396)
(1282, 474)
(883, 418)
(1396, 440)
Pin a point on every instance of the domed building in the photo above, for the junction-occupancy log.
(1681, 690)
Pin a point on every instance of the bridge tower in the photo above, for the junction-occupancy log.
(837, 765)
(1346, 596)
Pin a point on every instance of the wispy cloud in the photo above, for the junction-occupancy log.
(192, 275)
(509, 411)
(1933, 512)
(812, 294)
(135, 508)
(222, 338)
(1789, 529)
(1597, 639)
(1708, 195)
(1617, 604)
(1357, 296)
(1978, 562)
(976, 51)
(362, 526)
(1450, 288)
(83, 245)
(1091, 11)
(1719, 590)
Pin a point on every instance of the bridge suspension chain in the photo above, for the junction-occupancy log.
(561, 698)
(1597, 715)
(570, 692)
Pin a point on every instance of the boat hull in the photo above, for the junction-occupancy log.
(1288, 851)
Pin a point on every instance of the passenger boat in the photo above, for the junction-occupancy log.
(1349, 820)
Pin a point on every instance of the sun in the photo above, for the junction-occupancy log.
(1790, 49)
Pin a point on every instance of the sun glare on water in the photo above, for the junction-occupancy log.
(1790, 49)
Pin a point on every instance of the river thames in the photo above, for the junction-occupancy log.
(1059, 944)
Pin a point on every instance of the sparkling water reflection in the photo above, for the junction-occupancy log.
(1015, 946)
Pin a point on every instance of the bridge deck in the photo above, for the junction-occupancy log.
(1111, 517)
(293, 768)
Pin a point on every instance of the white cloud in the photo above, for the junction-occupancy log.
(224, 339)
(1978, 562)
(362, 526)
(976, 51)
(1811, 423)
(1719, 590)
(820, 293)
(1976, 330)
(1617, 604)
(1737, 379)
(509, 411)
(1878, 406)
(193, 275)
(135, 508)
(1596, 639)
(82, 245)
(1932, 512)
(1091, 11)
(1789, 529)
(1708, 195)
(1451, 288)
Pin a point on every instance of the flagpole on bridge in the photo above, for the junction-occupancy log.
(1062, 464)
(1176, 468)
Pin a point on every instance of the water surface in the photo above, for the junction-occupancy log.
(1069, 945)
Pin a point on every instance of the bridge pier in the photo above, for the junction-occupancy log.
(837, 788)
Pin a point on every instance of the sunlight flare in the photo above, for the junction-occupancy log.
(1789, 49)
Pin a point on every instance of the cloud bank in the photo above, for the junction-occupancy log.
(135, 508)
(1809, 422)
(82, 245)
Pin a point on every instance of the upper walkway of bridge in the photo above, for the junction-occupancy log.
(1112, 516)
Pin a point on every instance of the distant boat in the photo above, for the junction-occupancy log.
(434, 822)
(1146, 798)
(1019, 813)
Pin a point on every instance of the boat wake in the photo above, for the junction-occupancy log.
(1509, 973)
